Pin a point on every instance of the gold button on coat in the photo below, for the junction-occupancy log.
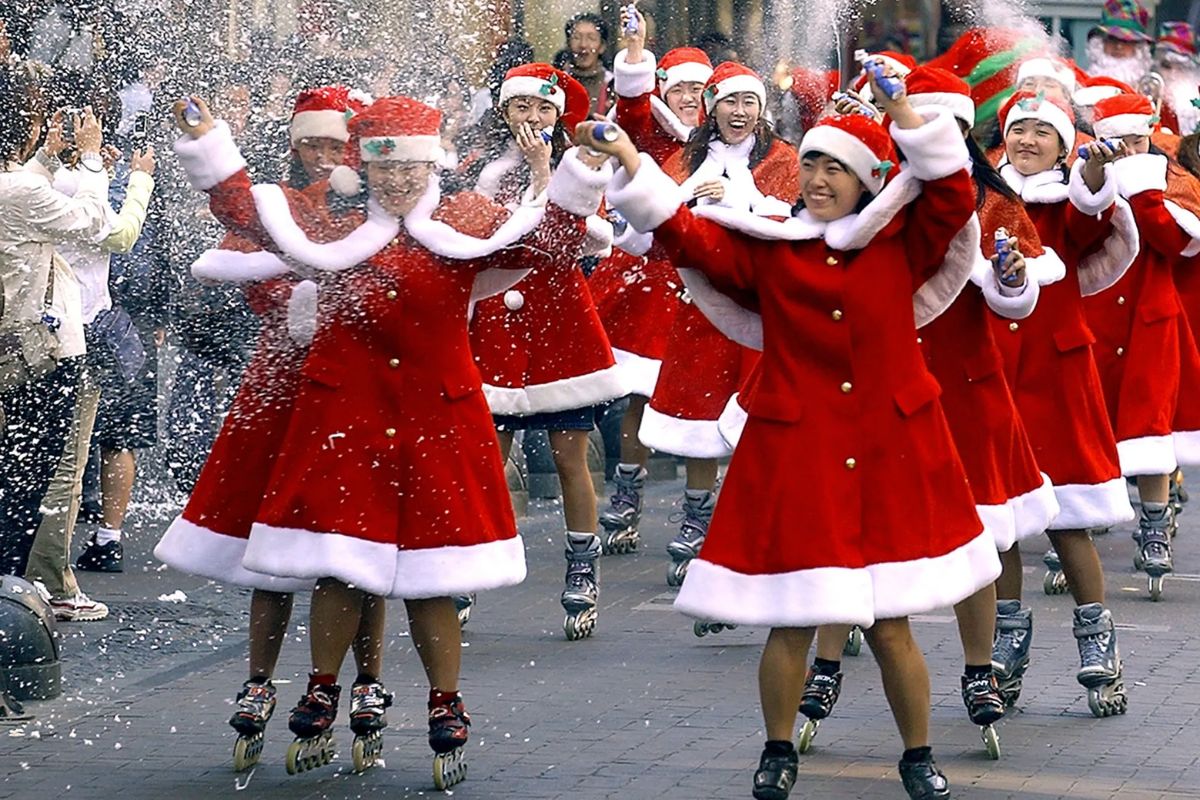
(390, 432)
(851, 463)
(1120, 351)
(837, 315)
(391, 295)
(831, 261)
(1012, 326)
(393, 363)
(1120, 301)
(847, 387)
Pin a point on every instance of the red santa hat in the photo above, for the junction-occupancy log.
(900, 63)
(1098, 88)
(933, 86)
(1124, 115)
(322, 113)
(556, 87)
(730, 78)
(859, 142)
(683, 65)
(1053, 112)
(1045, 67)
(391, 129)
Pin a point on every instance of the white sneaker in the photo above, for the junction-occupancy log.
(79, 608)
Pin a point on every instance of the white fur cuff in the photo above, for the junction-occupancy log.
(1011, 306)
(211, 159)
(934, 150)
(634, 80)
(1145, 172)
(1092, 204)
(576, 187)
(1190, 225)
(649, 198)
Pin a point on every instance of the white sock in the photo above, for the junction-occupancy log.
(106, 535)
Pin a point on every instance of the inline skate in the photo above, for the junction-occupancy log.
(1156, 524)
(463, 603)
(854, 642)
(1010, 648)
(923, 780)
(1100, 670)
(777, 769)
(311, 721)
(448, 733)
(620, 520)
(582, 589)
(985, 706)
(1055, 581)
(821, 692)
(369, 702)
(698, 506)
(703, 628)
(1178, 495)
(255, 705)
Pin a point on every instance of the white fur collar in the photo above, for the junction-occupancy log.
(1043, 187)
(492, 174)
(668, 120)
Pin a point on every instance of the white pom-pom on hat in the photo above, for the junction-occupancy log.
(345, 181)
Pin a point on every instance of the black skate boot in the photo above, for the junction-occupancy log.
(255, 705)
(821, 692)
(620, 520)
(1153, 537)
(369, 702)
(311, 721)
(923, 780)
(697, 512)
(777, 768)
(448, 733)
(1100, 669)
(1179, 494)
(1055, 581)
(463, 603)
(985, 706)
(1010, 648)
(582, 589)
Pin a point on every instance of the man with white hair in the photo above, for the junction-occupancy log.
(1050, 76)
(1119, 47)
(1175, 60)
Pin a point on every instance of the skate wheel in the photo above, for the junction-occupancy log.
(701, 629)
(676, 572)
(808, 733)
(1155, 584)
(246, 752)
(1054, 583)
(365, 751)
(991, 740)
(580, 626)
(854, 642)
(295, 761)
(449, 769)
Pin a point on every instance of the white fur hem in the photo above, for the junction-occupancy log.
(577, 187)
(1105, 267)
(732, 421)
(649, 198)
(383, 569)
(1034, 511)
(1091, 505)
(1147, 455)
(690, 438)
(634, 80)
(998, 520)
(1187, 448)
(1089, 202)
(196, 550)
(640, 374)
(233, 266)
(936, 149)
(580, 391)
(830, 595)
(1144, 172)
(1189, 223)
(211, 159)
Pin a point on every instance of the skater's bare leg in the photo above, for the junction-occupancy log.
(781, 675)
(506, 443)
(335, 616)
(702, 474)
(632, 449)
(368, 644)
(1081, 565)
(1154, 488)
(905, 678)
(831, 641)
(977, 625)
(438, 639)
(569, 449)
(1008, 585)
(270, 613)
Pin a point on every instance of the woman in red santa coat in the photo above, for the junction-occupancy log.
(637, 289)
(1140, 331)
(1050, 367)
(388, 378)
(845, 403)
(209, 537)
(541, 348)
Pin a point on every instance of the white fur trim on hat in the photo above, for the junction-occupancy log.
(1045, 112)
(401, 148)
(529, 86)
(960, 105)
(1124, 125)
(328, 124)
(687, 72)
(733, 85)
(1045, 68)
(848, 149)
(1088, 96)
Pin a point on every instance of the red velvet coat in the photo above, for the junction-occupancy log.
(1140, 327)
(846, 435)
(1048, 356)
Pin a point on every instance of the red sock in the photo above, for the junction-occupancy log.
(440, 698)
(320, 679)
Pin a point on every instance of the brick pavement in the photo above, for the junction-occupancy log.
(641, 710)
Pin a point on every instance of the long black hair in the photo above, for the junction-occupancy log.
(986, 176)
(696, 148)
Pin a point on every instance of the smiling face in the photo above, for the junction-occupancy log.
(585, 45)
(1136, 145)
(398, 185)
(684, 99)
(1033, 146)
(319, 155)
(736, 116)
(828, 188)
(539, 113)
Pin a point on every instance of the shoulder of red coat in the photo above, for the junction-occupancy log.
(471, 213)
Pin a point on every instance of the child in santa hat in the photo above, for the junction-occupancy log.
(541, 348)
(845, 402)
(1139, 331)
(389, 376)
(1049, 363)
(209, 537)
(637, 290)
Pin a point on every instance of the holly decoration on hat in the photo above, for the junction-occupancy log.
(1032, 103)
(550, 86)
(882, 169)
(381, 148)
(661, 73)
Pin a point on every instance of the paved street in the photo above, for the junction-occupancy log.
(644, 709)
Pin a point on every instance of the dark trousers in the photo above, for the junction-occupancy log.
(37, 421)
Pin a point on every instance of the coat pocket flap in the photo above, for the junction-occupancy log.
(460, 385)
(917, 393)
(1069, 339)
(1162, 305)
(322, 371)
(983, 364)
(776, 406)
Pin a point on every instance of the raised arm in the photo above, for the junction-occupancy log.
(128, 226)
